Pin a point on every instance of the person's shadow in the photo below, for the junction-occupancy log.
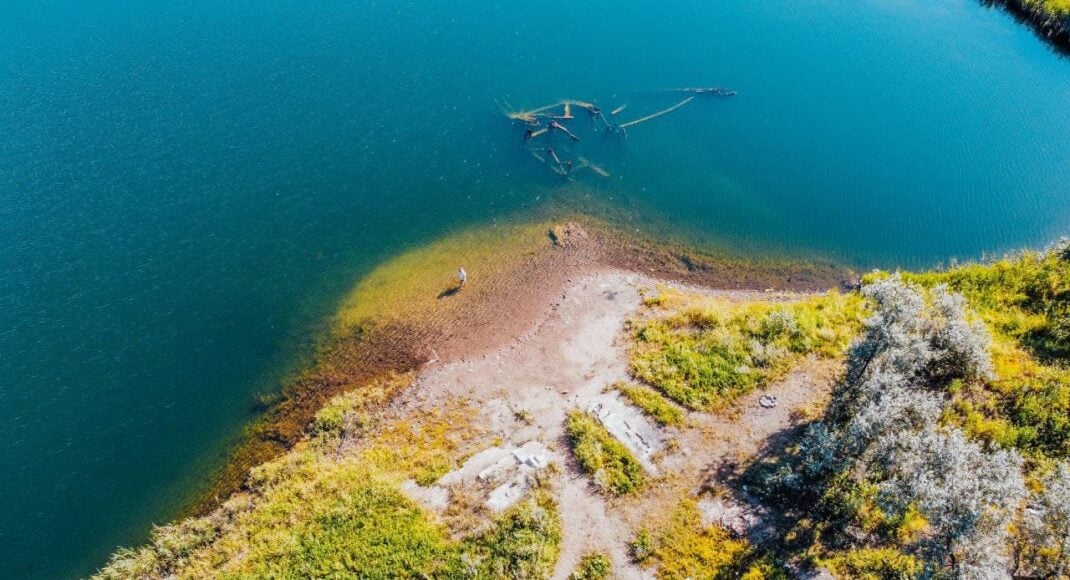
(449, 292)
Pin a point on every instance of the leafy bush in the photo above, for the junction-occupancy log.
(594, 566)
(524, 543)
(873, 564)
(611, 465)
(653, 404)
(967, 496)
(642, 547)
(1024, 401)
(961, 345)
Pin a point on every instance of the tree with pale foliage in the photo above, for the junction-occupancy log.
(894, 339)
(960, 345)
(884, 428)
(910, 339)
(967, 496)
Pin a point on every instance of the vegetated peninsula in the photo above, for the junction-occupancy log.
(590, 405)
(1050, 18)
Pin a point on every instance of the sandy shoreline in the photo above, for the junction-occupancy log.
(500, 306)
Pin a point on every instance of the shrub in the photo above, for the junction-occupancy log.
(884, 468)
(524, 543)
(873, 564)
(966, 495)
(686, 549)
(612, 467)
(594, 566)
(642, 547)
(961, 345)
(1023, 401)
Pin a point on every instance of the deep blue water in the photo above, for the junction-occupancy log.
(186, 188)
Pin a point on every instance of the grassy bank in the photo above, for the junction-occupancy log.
(951, 417)
(331, 509)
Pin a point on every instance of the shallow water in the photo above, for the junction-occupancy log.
(186, 188)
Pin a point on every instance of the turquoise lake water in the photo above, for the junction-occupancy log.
(187, 188)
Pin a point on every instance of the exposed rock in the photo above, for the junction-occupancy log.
(736, 518)
(819, 574)
(629, 426)
(434, 497)
(532, 454)
(567, 234)
(512, 465)
(508, 493)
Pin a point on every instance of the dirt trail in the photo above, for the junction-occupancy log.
(566, 359)
(524, 390)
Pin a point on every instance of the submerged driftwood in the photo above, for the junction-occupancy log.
(542, 122)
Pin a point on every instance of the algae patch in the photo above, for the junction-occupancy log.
(418, 281)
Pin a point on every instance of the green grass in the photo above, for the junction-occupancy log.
(593, 566)
(1025, 302)
(706, 355)
(614, 469)
(349, 412)
(338, 529)
(320, 519)
(653, 404)
(524, 543)
(423, 447)
(313, 513)
(684, 548)
(308, 518)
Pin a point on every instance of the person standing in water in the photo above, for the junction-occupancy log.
(462, 276)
